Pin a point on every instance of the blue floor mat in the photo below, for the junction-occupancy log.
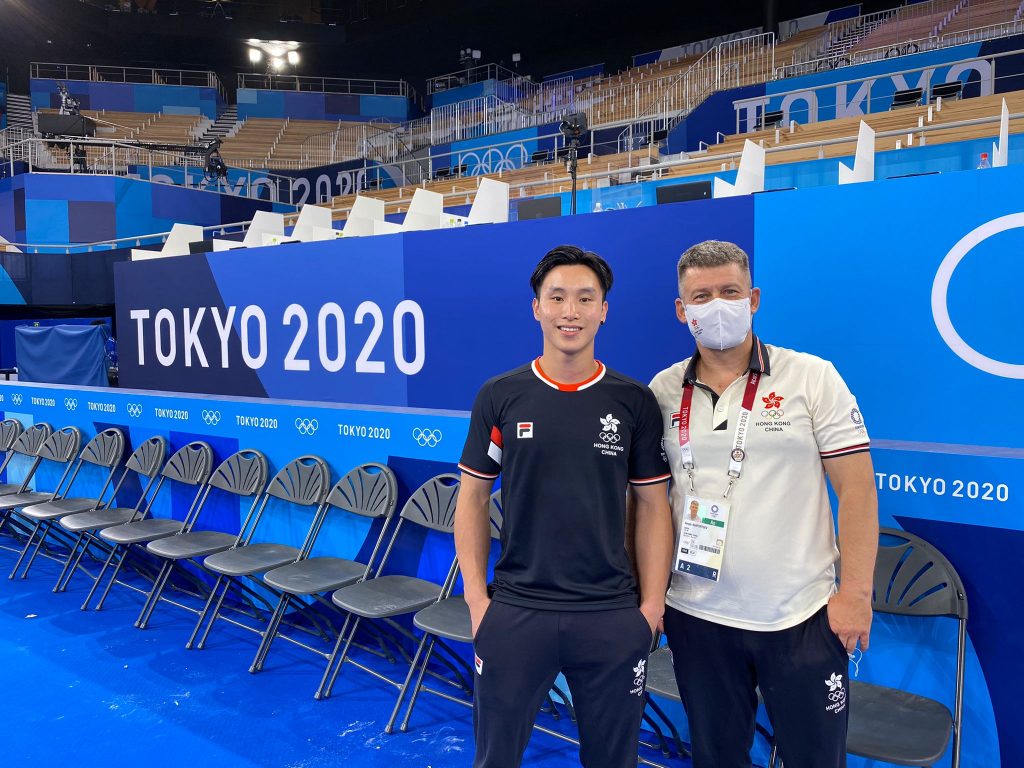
(87, 688)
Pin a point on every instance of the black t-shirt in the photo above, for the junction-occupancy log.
(565, 454)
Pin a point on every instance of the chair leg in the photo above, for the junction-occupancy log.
(338, 661)
(88, 540)
(24, 551)
(205, 612)
(405, 683)
(99, 577)
(47, 527)
(154, 594)
(270, 633)
(216, 612)
(418, 687)
(113, 577)
(67, 562)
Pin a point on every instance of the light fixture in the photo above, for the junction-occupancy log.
(255, 55)
(277, 64)
(293, 57)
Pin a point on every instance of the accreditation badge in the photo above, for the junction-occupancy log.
(701, 543)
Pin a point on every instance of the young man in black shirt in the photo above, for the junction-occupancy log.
(568, 436)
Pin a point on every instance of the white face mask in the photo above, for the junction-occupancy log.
(719, 323)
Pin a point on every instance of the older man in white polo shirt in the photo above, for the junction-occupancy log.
(752, 431)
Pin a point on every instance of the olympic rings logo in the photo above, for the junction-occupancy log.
(610, 437)
(134, 410)
(427, 438)
(307, 426)
(70, 403)
(940, 305)
(774, 413)
(16, 399)
(211, 418)
(837, 695)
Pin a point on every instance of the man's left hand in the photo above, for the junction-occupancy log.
(849, 617)
(653, 614)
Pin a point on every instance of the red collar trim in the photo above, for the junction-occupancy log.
(598, 375)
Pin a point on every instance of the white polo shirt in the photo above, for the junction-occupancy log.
(780, 550)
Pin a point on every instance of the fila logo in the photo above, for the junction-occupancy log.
(524, 429)
(675, 420)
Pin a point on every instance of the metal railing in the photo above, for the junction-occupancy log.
(110, 74)
(345, 85)
(473, 118)
(728, 65)
(175, 168)
(468, 76)
(906, 48)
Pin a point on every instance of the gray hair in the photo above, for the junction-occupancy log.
(712, 253)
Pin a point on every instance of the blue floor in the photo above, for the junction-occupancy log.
(89, 689)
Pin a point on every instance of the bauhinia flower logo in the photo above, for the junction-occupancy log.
(834, 683)
(609, 423)
(772, 400)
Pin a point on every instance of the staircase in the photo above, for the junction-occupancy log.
(222, 126)
(19, 111)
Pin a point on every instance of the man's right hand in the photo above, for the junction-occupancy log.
(477, 609)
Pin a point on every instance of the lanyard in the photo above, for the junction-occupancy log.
(737, 455)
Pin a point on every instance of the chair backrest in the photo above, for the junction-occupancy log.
(190, 464)
(31, 440)
(10, 430)
(305, 480)
(243, 473)
(497, 514)
(432, 505)
(912, 578)
(105, 449)
(61, 446)
(369, 490)
(148, 457)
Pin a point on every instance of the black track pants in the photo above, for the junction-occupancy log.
(519, 653)
(802, 673)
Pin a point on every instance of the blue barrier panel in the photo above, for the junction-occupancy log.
(905, 285)
(415, 311)
(128, 97)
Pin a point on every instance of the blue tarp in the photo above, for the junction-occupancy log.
(62, 354)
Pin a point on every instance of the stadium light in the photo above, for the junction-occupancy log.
(277, 64)
(293, 57)
(255, 55)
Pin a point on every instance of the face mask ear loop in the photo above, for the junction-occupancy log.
(855, 658)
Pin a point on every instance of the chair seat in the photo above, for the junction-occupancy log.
(250, 559)
(50, 510)
(6, 488)
(97, 519)
(386, 596)
(661, 678)
(315, 575)
(23, 499)
(897, 726)
(191, 544)
(449, 619)
(142, 530)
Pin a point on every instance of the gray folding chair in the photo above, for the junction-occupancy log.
(303, 482)
(912, 578)
(447, 619)
(104, 450)
(431, 506)
(145, 462)
(369, 490)
(10, 431)
(59, 448)
(243, 474)
(190, 465)
(26, 443)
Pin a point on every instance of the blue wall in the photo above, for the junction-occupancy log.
(130, 97)
(482, 156)
(462, 93)
(302, 105)
(62, 208)
(3, 105)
